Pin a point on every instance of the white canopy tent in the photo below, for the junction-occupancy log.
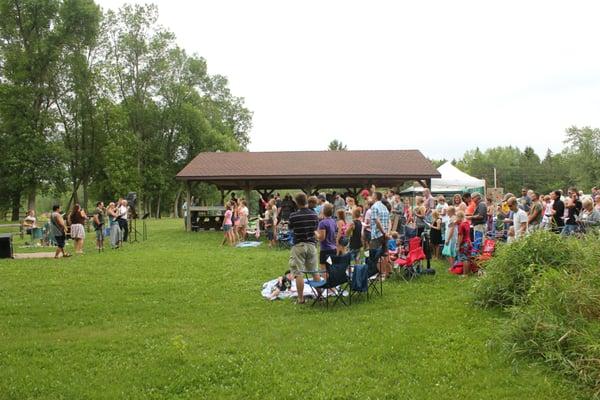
(453, 181)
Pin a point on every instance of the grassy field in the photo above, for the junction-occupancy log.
(179, 317)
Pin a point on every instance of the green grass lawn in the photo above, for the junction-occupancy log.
(179, 317)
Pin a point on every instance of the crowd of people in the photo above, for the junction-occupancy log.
(235, 221)
(381, 220)
(111, 221)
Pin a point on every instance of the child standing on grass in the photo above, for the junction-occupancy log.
(271, 222)
(227, 226)
(464, 242)
(450, 236)
(436, 233)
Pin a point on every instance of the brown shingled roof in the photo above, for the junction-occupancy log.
(315, 166)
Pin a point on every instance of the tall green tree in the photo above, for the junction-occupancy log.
(99, 105)
(336, 145)
(137, 62)
(583, 151)
(34, 35)
(77, 90)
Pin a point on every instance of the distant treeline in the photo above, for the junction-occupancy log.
(577, 165)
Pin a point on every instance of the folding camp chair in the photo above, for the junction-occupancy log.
(335, 284)
(375, 278)
(410, 266)
(285, 237)
(487, 251)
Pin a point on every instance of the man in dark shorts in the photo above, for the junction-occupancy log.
(98, 222)
(303, 256)
(58, 231)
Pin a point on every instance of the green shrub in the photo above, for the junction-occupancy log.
(560, 323)
(551, 286)
(510, 273)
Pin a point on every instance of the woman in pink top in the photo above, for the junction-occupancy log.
(341, 235)
(227, 226)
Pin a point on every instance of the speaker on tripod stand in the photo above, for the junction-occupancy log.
(144, 229)
(132, 203)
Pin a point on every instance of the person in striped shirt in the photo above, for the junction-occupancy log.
(303, 255)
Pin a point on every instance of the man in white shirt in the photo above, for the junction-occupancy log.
(122, 218)
(520, 218)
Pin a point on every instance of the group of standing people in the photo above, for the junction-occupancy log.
(314, 223)
(235, 221)
(343, 225)
(73, 225)
(567, 215)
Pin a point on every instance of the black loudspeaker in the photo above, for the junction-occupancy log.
(131, 199)
(6, 250)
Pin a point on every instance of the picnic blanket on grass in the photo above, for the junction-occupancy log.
(248, 244)
(269, 287)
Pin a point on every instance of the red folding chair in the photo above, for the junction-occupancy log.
(408, 267)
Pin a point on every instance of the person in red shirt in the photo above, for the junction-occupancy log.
(464, 242)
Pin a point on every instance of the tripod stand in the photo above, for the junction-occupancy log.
(133, 232)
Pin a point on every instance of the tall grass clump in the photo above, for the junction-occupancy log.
(551, 287)
(511, 272)
(560, 323)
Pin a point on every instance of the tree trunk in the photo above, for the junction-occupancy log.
(85, 194)
(149, 205)
(74, 198)
(176, 207)
(31, 198)
(16, 204)
(158, 207)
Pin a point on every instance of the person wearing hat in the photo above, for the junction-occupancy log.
(479, 217)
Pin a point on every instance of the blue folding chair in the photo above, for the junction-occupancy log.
(335, 283)
(375, 278)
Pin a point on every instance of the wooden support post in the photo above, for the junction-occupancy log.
(247, 192)
(354, 192)
(265, 194)
(188, 196)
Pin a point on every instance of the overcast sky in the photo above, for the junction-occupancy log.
(440, 76)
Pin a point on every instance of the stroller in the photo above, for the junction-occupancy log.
(253, 228)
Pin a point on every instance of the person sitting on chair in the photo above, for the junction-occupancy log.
(29, 222)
